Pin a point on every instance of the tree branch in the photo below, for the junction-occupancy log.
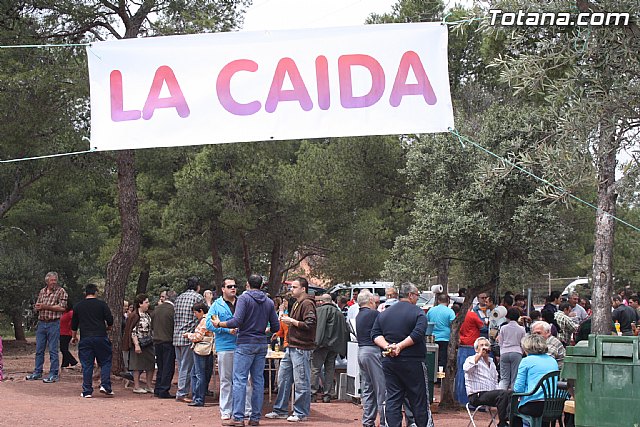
(18, 192)
(297, 263)
(110, 29)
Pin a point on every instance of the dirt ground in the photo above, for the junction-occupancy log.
(60, 404)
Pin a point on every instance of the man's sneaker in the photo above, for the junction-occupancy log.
(295, 419)
(276, 416)
(105, 391)
(51, 379)
(33, 377)
(86, 396)
(225, 417)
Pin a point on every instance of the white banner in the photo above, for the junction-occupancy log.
(257, 86)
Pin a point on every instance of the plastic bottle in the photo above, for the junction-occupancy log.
(617, 324)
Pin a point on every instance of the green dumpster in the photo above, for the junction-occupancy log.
(431, 360)
(606, 374)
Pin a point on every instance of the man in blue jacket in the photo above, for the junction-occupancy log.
(224, 307)
(253, 312)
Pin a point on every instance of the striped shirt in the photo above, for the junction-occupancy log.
(567, 327)
(183, 318)
(479, 376)
(57, 296)
(200, 332)
(556, 350)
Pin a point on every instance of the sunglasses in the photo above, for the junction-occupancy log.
(230, 286)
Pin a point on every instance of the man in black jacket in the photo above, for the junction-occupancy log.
(93, 317)
(399, 331)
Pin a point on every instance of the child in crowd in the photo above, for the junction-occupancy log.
(198, 385)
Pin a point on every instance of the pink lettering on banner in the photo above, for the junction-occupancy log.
(322, 76)
(118, 114)
(347, 99)
(411, 60)
(223, 88)
(164, 74)
(286, 66)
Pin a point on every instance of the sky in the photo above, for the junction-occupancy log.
(288, 14)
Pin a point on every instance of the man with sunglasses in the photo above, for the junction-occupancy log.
(224, 308)
(253, 313)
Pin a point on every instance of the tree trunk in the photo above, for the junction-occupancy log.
(276, 269)
(18, 327)
(120, 265)
(443, 273)
(245, 256)
(143, 278)
(216, 258)
(604, 234)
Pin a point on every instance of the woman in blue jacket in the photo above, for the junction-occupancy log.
(533, 367)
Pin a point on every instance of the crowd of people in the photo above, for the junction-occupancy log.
(504, 348)
(510, 347)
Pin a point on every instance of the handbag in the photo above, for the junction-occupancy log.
(204, 347)
(145, 341)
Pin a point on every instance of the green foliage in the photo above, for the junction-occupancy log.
(354, 201)
(410, 11)
(475, 209)
(627, 251)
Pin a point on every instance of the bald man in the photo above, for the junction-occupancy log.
(331, 340)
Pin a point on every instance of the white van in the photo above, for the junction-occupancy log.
(584, 282)
(347, 290)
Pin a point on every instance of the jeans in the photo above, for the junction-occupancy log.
(225, 369)
(323, 357)
(373, 385)
(47, 335)
(198, 385)
(208, 371)
(92, 349)
(509, 369)
(67, 357)
(184, 357)
(166, 361)
(406, 378)
(248, 359)
(295, 368)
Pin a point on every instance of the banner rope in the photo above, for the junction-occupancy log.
(49, 156)
(462, 139)
(40, 46)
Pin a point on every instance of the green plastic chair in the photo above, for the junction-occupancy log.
(554, 399)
